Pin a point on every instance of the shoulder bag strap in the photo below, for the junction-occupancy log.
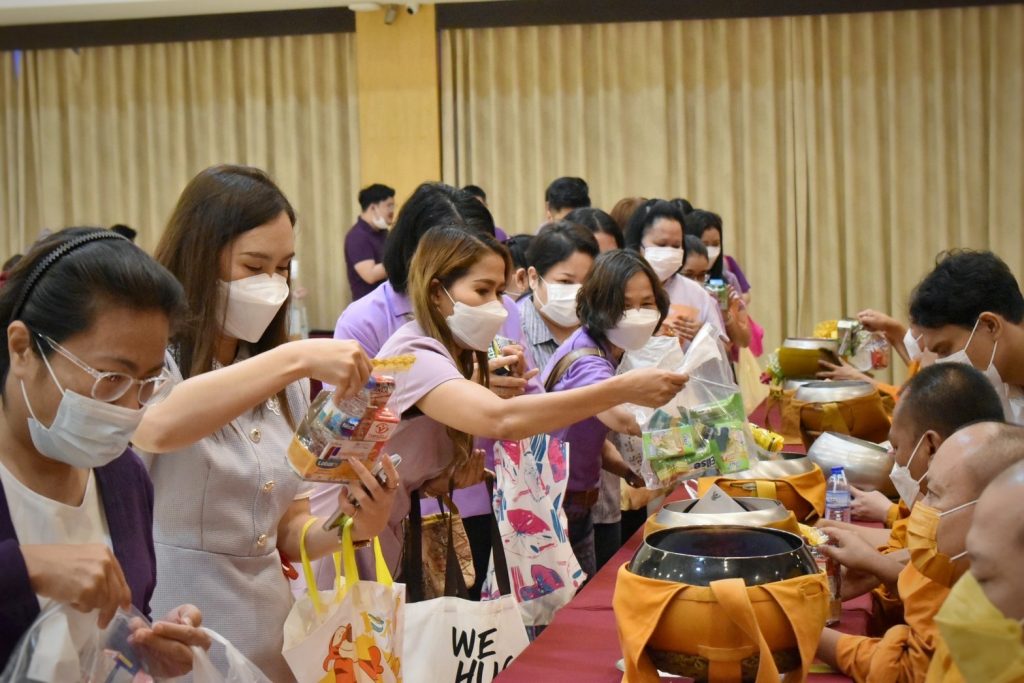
(563, 365)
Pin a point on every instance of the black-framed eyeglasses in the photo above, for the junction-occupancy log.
(110, 386)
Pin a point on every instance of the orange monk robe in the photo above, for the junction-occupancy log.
(901, 655)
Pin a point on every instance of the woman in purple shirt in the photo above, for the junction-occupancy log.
(621, 305)
(455, 284)
(374, 318)
(88, 315)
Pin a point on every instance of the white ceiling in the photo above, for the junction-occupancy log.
(13, 12)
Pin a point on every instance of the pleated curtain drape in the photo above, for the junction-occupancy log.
(842, 151)
(107, 135)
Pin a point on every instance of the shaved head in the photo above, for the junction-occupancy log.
(963, 466)
(995, 543)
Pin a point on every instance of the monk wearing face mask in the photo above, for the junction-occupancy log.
(981, 638)
(936, 537)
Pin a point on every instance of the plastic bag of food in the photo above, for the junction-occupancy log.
(704, 429)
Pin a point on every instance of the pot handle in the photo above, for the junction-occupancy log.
(732, 595)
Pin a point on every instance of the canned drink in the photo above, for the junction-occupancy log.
(720, 291)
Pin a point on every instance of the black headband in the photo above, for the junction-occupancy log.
(59, 252)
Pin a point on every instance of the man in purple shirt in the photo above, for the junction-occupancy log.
(364, 243)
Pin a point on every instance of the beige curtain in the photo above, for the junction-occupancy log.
(842, 151)
(111, 135)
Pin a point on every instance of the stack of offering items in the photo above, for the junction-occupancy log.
(697, 441)
(333, 434)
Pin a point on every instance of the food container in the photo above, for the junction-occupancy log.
(759, 512)
(698, 633)
(799, 356)
(834, 391)
(867, 465)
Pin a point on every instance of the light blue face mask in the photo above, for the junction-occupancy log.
(86, 433)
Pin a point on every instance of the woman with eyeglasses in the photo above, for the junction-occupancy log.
(88, 316)
(697, 267)
(228, 505)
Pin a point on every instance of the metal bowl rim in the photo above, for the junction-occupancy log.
(723, 527)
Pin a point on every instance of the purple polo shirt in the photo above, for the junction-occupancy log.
(363, 243)
(372, 320)
(585, 438)
(500, 235)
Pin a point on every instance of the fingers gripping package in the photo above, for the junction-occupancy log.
(704, 429)
(332, 435)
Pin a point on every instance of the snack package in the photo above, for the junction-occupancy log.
(331, 435)
(704, 429)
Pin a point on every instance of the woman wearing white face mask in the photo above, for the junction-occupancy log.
(560, 257)
(620, 306)
(87, 316)
(656, 231)
(227, 505)
(455, 281)
(707, 227)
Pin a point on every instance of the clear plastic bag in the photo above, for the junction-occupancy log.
(66, 645)
(704, 429)
(235, 668)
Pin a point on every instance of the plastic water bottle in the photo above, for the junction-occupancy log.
(837, 496)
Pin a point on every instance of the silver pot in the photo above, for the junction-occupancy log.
(867, 464)
(759, 512)
(698, 555)
(775, 469)
(834, 391)
(795, 384)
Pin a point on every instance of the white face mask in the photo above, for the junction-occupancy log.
(908, 487)
(634, 329)
(913, 345)
(713, 254)
(666, 261)
(85, 433)
(251, 303)
(475, 326)
(1010, 411)
(560, 307)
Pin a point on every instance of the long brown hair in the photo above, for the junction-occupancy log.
(217, 206)
(444, 255)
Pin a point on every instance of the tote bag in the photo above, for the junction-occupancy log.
(352, 634)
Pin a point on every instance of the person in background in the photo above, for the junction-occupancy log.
(696, 267)
(228, 505)
(936, 403)
(124, 231)
(607, 512)
(87, 317)
(375, 318)
(477, 193)
(624, 210)
(656, 231)
(980, 634)
(518, 284)
(684, 205)
(969, 309)
(364, 243)
(708, 227)
(560, 257)
(5, 270)
(563, 195)
(620, 306)
(606, 231)
(936, 536)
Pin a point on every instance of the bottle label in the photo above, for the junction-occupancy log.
(837, 499)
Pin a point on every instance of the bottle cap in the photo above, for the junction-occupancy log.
(837, 470)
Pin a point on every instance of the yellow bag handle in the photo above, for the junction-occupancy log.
(733, 596)
(766, 488)
(307, 570)
(348, 554)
